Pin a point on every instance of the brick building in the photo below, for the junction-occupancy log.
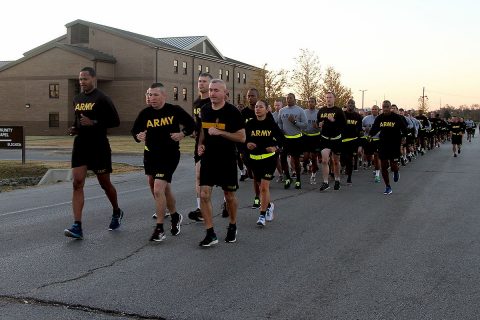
(37, 90)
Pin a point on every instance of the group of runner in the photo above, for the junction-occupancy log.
(257, 140)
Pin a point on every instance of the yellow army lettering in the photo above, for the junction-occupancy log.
(326, 115)
(261, 133)
(84, 106)
(350, 121)
(387, 124)
(160, 122)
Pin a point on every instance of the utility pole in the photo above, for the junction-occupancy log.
(363, 92)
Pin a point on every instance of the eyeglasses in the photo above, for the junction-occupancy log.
(148, 94)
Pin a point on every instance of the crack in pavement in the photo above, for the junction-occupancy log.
(88, 272)
(91, 310)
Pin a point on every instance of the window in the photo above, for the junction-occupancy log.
(175, 66)
(184, 93)
(175, 93)
(184, 65)
(227, 75)
(220, 74)
(238, 77)
(53, 120)
(207, 69)
(244, 78)
(238, 98)
(53, 91)
(199, 68)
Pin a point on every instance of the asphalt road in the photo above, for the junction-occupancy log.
(348, 254)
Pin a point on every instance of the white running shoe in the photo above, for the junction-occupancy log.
(269, 213)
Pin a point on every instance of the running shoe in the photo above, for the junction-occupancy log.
(313, 178)
(324, 186)
(167, 214)
(349, 180)
(74, 232)
(256, 203)
(377, 179)
(396, 176)
(388, 190)
(224, 210)
(231, 234)
(176, 223)
(269, 213)
(116, 221)
(195, 215)
(336, 186)
(209, 240)
(298, 184)
(459, 150)
(261, 221)
(455, 155)
(287, 183)
(157, 235)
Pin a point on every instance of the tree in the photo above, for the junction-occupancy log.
(332, 83)
(275, 84)
(423, 104)
(270, 84)
(307, 76)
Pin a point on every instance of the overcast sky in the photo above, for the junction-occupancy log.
(392, 49)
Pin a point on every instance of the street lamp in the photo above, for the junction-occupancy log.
(363, 93)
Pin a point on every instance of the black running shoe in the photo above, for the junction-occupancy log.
(336, 186)
(298, 184)
(195, 215)
(287, 183)
(116, 221)
(256, 203)
(324, 186)
(74, 232)
(231, 234)
(176, 223)
(157, 235)
(224, 210)
(208, 241)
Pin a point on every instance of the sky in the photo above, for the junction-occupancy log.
(391, 49)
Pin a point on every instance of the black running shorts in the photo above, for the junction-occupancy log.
(93, 153)
(161, 166)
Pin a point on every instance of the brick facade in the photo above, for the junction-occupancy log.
(126, 65)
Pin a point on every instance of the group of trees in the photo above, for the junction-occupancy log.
(306, 80)
(472, 112)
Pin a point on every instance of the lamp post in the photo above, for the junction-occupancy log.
(363, 95)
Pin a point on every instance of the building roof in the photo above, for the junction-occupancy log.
(89, 53)
(183, 45)
(3, 63)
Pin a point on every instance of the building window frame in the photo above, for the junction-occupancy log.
(175, 93)
(175, 66)
(184, 94)
(238, 77)
(220, 74)
(227, 75)
(54, 90)
(207, 69)
(245, 78)
(200, 68)
(184, 65)
(54, 120)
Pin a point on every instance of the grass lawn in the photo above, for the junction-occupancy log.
(119, 144)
